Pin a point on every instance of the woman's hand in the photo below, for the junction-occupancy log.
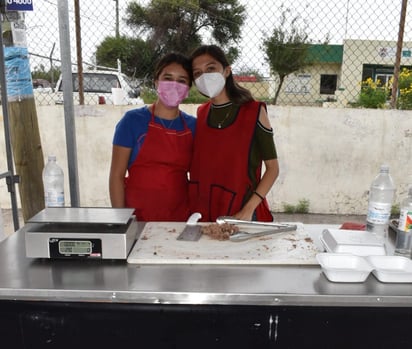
(244, 215)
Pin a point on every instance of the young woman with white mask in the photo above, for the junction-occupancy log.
(152, 149)
(233, 139)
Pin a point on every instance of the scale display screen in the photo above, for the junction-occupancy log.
(69, 248)
(75, 247)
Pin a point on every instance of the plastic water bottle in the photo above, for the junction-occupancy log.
(381, 194)
(53, 182)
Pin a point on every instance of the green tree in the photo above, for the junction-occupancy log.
(286, 49)
(135, 56)
(179, 25)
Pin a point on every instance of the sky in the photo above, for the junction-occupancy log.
(332, 20)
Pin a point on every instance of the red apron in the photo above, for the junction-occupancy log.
(219, 177)
(157, 185)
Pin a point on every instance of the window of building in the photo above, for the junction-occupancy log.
(384, 80)
(381, 73)
(328, 83)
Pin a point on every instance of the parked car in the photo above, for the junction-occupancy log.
(42, 86)
(102, 87)
(41, 83)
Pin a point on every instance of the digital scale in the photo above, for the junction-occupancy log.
(68, 232)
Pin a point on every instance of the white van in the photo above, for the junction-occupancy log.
(102, 87)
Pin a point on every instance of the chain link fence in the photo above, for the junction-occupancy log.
(350, 48)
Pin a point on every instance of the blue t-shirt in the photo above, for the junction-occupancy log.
(132, 128)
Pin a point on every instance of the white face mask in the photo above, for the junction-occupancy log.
(210, 84)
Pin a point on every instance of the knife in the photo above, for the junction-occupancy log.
(192, 231)
(243, 235)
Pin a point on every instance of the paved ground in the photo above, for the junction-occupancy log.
(309, 218)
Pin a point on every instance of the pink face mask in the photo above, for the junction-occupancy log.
(171, 93)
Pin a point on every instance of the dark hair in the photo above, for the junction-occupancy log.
(174, 57)
(236, 93)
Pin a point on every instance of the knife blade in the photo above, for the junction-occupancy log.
(192, 231)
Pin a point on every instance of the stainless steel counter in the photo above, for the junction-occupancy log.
(22, 278)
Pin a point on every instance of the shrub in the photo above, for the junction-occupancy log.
(301, 207)
(287, 208)
(404, 100)
(373, 94)
(395, 210)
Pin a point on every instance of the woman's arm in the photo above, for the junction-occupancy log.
(118, 168)
(269, 177)
(266, 183)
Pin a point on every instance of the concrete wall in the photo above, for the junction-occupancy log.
(327, 156)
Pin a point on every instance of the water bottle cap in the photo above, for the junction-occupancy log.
(384, 168)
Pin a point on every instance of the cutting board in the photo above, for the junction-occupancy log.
(157, 244)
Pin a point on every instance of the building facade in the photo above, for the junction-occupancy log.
(335, 74)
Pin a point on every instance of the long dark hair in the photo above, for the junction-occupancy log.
(236, 93)
(174, 57)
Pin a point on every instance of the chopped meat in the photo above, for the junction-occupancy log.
(220, 231)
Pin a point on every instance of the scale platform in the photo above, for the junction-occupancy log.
(71, 232)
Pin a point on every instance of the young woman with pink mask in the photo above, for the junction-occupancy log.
(233, 139)
(152, 148)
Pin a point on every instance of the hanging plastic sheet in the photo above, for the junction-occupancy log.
(18, 77)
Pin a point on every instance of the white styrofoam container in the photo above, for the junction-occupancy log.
(340, 267)
(391, 268)
(357, 242)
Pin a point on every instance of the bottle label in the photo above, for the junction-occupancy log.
(54, 199)
(379, 213)
(405, 220)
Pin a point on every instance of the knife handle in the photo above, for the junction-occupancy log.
(194, 217)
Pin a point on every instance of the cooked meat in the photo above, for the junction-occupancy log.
(220, 231)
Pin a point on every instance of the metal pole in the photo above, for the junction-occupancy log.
(346, 19)
(399, 45)
(117, 19)
(79, 50)
(65, 52)
(9, 175)
(51, 67)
